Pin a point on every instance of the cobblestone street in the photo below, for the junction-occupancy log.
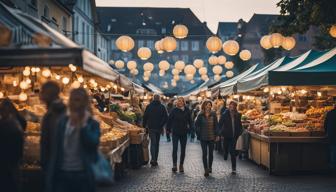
(249, 177)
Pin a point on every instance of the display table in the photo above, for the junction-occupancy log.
(286, 155)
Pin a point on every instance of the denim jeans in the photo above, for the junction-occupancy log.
(207, 146)
(154, 145)
(70, 181)
(230, 147)
(183, 141)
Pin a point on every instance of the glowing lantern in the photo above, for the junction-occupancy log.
(148, 67)
(229, 65)
(134, 72)
(189, 77)
(46, 72)
(214, 44)
(203, 71)
(221, 59)
(173, 83)
(176, 77)
(23, 96)
(288, 43)
(72, 67)
(198, 63)
(158, 46)
(164, 65)
(125, 43)
(217, 69)
(231, 47)
(179, 65)
(1, 95)
(180, 31)
(65, 80)
(175, 71)
(245, 55)
(80, 79)
(24, 85)
(213, 60)
(169, 44)
(131, 65)
(190, 69)
(162, 73)
(229, 74)
(265, 42)
(26, 72)
(144, 53)
(147, 74)
(204, 77)
(146, 78)
(332, 31)
(217, 77)
(75, 85)
(119, 64)
(276, 40)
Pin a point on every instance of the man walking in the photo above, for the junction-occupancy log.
(230, 127)
(154, 119)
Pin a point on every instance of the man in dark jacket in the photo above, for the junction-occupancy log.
(55, 109)
(330, 129)
(154, 119)
(179, 122)
(230, 127)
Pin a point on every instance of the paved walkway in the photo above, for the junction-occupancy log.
(249, 178)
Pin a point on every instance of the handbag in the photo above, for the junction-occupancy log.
(102, 170)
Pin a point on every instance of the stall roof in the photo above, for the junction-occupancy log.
(319, 71)
(62, 52)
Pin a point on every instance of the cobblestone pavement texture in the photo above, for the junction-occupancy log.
(249, 176)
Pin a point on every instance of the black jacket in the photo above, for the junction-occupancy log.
(330, 126)
(155, 116)
(48, 130)
(225, 125)
(201, 126)
(179, 121)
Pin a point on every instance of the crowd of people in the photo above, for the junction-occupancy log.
(70, 136)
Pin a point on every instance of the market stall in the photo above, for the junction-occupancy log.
(284, 105)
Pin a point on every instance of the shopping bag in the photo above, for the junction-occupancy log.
(102, 171)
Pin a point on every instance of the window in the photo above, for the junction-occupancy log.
(150, 44)
(195, 45)
(113, 45)
(177, 46)
(141, 43)
(163, 30)
(76, 28)
(302, 38)
(184, 45)
(33, 2)
(64, 25)
(175, 58)
(185, 58)
(46, 11)
(82, 33)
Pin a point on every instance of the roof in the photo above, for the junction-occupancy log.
(127, 20)
(227, 28)
(261, 22)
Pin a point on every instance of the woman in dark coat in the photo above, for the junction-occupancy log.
(206, 125)
(12, 125)
(179, 123)
(77, 148)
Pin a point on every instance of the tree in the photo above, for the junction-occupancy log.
(297, 16)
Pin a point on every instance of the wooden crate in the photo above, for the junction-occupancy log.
(300, 134)
(280, 134)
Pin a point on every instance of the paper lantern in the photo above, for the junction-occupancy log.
(217, 69)
(164, 65)
(189, 77)
(162, 73)
(198, 63)
(173, 83)
(125, 43)
(131, 65)
(147, 74)
(204, 77)
(214, 44)
(134, 72)
(245, 55)
(75, 85)
(190, 69)
(23, 96)
(80, 79)
(176, 77)
(148, 67)
(26, 72)
(175, 71)
(229, 65)
(46, 72)
(213, 60)
(24, 85)
(221, 59)
(332, 31)
(276, 40)
(288, 43)
(144, 53)
(169, 44)
(231, 47)
(217, 77)
(179, 65)
(146, 78)
(72, 67)
(65, 80)
(158, 46)
(180, 31)
(265, 42)
(119, 64)
(229, 74)
(203, 71)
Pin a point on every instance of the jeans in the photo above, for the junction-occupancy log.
(230, 147)
(183, 142)
(207, 162)
(154, 145)
(70, 181)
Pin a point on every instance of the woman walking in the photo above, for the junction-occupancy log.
(179, 122)
(77, 142)
(206, 125)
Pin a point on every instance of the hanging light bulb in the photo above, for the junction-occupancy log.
(122, 89)
(26, 72)
(24, 85)
(72, 67)
(80, 79)
(65, 80)
(46, 73)
(23, 96)
(28, 81)
(1, 95)
(15, 83)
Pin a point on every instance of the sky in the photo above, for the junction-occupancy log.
(211, 11)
